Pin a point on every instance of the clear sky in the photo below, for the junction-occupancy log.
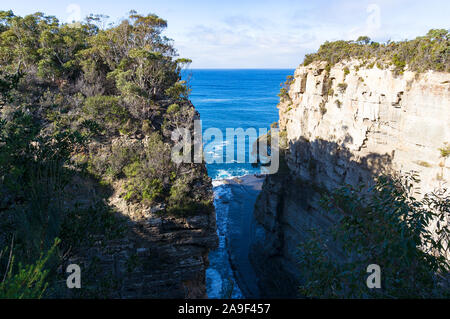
(260, 33)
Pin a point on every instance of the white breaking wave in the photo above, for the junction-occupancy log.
(223, 174)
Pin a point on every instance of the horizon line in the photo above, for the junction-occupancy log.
(261, 68)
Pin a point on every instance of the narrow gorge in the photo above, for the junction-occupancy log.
(103, 174)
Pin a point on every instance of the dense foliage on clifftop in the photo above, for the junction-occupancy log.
(429, 52)
(82, 108)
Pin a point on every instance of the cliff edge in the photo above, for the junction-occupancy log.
(345, 124)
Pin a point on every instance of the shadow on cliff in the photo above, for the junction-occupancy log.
(288, 205)
(127, 255)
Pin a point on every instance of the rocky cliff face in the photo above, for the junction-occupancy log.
(85, 157)
(345, 125)
(159, 254)
(160, 257)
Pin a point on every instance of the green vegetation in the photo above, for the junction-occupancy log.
(429, 52)
(342, 87)
(284, 91)
(424, 164)
(323, 108)
(27, 281)
(106, 110)
(145, 176)
(83, 109)
(445, 151)
(173, 108)
(346, 71)
(384, 225)
(363, 40)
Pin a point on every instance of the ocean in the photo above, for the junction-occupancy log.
(244, 99)
(234, 99)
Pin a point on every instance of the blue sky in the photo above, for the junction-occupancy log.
(260, 34)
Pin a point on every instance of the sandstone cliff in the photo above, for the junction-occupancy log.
(344, 125)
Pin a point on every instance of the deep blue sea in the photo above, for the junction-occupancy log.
(240, 98)
(231, 99)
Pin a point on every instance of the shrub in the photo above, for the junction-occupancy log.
(322, 108)
(173, 108)
(398, 63)
(346, 71)
(283, 94)
(429, 52)
(284, 91)
(424, 164)
(27, 281)
(120, 156)
(90, 128)
(34, 170)
(106, 109)
(179, 192)
(152, 190)
(342, 87)
(363, 40)
(178, 91)
(274, 125)
(146, 127)
(148, 176)
(445, 151)
(147, 191)
(385, 225)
